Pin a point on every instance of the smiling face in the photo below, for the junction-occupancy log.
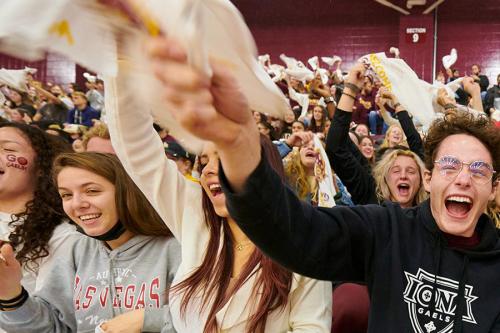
(17, 164)
(209, 179)
(394, 136)
(458, 203)
(366, 146)
(88, 200)
(403, 180)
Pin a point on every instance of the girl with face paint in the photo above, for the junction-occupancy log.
(112, 279)
(31, 215)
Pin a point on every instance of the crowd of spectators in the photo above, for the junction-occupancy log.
(374, 154)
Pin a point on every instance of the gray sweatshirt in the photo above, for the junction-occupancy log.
(93, 283)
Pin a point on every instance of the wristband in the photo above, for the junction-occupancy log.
(352, 96)
(450, 106)
(353, 87)
(15, 302)
(396, 105)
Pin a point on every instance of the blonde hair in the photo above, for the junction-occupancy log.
(296, 175)
(386, 144)
(97, 131)
(381, 170)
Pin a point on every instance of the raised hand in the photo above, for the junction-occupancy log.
(443, 98)
(356, 75)
(10, 274)
(473, 89)
(298, 139)
(470, 86)
(213, 109)
(353, 84)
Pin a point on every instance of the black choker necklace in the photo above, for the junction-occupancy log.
(112, 234)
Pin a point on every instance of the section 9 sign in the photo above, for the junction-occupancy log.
(415, 35)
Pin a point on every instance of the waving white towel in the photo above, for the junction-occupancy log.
(87, 33)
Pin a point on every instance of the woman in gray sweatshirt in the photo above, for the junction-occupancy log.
(112, 273)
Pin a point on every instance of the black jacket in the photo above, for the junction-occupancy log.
(351, 166)
(493, 92)
(417, 283)
(484, 82)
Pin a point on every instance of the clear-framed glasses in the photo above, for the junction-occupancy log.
(450, 166)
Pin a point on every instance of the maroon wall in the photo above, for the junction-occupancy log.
(473, 28)
(352, 28)
(324, 28)
(13, 63)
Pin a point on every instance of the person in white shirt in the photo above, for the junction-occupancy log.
(224, 283)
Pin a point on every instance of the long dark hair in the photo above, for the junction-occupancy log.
(34, 226)
(212, 277)
(312, 125)
(134, 210)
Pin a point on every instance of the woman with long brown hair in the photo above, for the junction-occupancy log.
(109, 281)
(224, 283)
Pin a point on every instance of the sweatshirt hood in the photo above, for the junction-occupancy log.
(488, 246)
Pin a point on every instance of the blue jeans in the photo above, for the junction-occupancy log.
(375, 120)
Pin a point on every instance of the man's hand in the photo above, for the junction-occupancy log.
(213, 109)
(473, 89)
(356, 75)
(470, 86)
(129, 322)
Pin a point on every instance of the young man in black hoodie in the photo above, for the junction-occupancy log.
(431, 268)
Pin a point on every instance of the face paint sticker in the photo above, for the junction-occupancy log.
(17, 162)
(22, 161)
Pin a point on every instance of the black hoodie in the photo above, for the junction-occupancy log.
(417, 283)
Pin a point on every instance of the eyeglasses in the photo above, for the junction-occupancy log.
(450, 166)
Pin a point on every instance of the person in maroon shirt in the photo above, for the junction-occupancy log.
(365, 103)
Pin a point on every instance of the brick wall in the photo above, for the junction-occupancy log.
(350, 29)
